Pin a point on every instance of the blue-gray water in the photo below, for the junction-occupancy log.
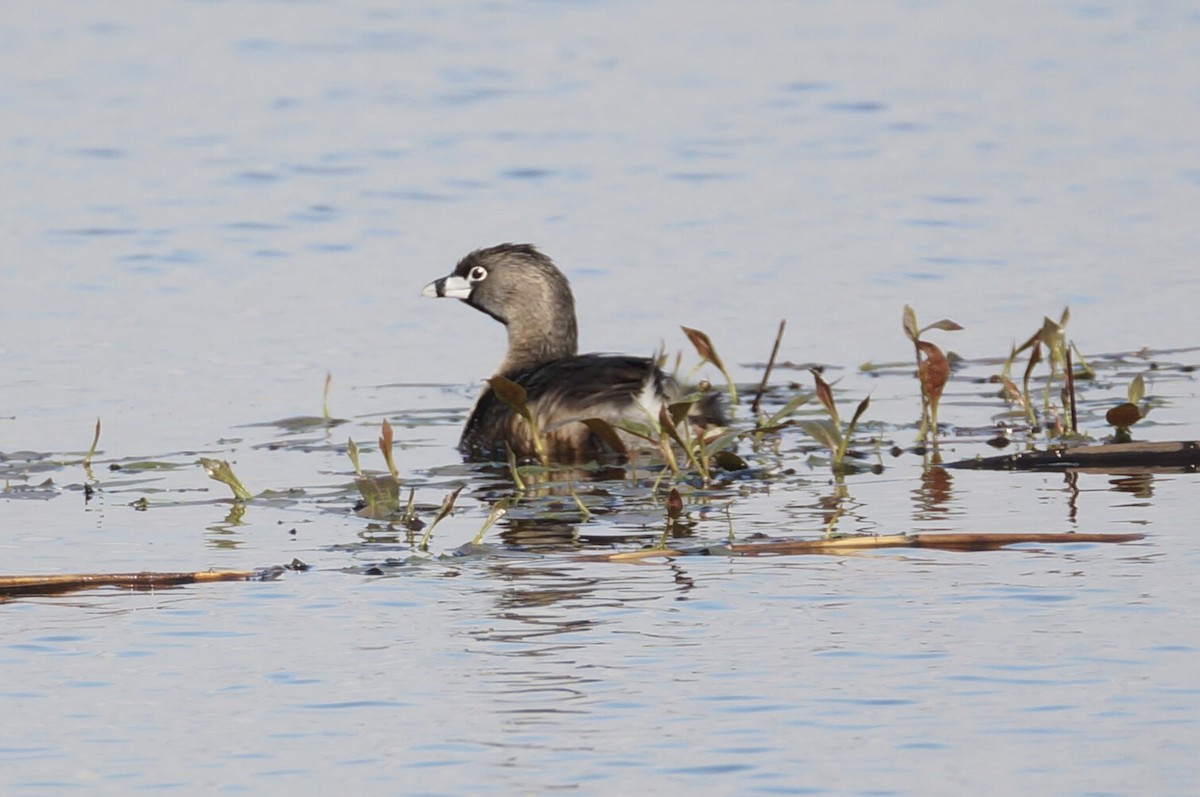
(206, 207)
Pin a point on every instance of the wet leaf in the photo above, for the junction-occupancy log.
(325, 396)
(933, 371)
(721, 441)
(674, 504)
(381, 494)
(220, 470)
(639, 430)
(1123, 416)
(823, 431)
(447, 508)
(352, 452)
(498, 511)
(728, 460)
(607, 434)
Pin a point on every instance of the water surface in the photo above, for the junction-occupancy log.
(209, 207)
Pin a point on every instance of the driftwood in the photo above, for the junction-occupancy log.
(1181, 455)
(945, 542)
(68, 582)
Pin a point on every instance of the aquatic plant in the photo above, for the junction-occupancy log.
(1060, 357)
(1126, 414)
(446, 509)
(91, 452)
(829, 432)
(220, 470)
(933, 369)
(515, 397)
(704, 347)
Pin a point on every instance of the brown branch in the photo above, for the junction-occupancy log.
(945, 542)
(68, 582)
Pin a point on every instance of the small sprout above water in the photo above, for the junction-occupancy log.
(708, 353)
(515, 397)
(829, 433)
(447, 508)
(380, 494)
(1125, 415)
(498, 511)
(933, 372)
(386, 439)
(220, 470)
(87, 459)
(933, 369)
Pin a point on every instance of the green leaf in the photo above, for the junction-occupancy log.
(679, 411)
(447, 508)
(794, 403)
(1137, 390)
(220, 470)
(607, 434)
(824, 431)
(639, 430)
(511, 394)
(87, 460)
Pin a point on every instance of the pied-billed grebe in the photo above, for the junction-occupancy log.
(521, 288)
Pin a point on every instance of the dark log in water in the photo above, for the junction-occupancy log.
(1174, 456)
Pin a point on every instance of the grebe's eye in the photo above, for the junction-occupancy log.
(478, 274)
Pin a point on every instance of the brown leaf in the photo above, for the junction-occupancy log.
(674, 504)
(946, 325)
(704, 346)
(824, 392)
(934, 370)
(511, 394)
(910, 324)
(1123, 415)
(386, 438)
(1012, 391)
(858, 413)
